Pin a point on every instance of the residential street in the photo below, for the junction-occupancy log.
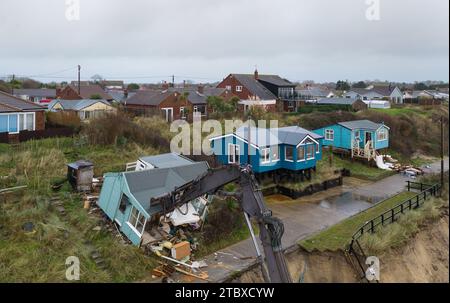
(308, 215)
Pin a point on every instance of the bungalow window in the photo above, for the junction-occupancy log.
(265, 155)
(382, 134)
(228, 87)
(26, 122)
(329, 134)
(310, 152)
(182, 113)
(233, 153)
(289, 153)
(124, 202)
(301, 153)
(137, 220)
(275, 153)
(239, 88)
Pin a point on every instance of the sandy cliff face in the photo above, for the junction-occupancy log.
(425, 258)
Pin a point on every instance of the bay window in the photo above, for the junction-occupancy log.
(137, 220)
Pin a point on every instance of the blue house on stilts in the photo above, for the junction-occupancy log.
(290, 152)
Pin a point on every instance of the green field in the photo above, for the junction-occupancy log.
(338, 236)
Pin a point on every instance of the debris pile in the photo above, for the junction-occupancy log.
(176, 248)
(407, 170)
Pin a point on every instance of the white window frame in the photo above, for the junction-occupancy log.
(329, 134)
(285, 153)
(234, 149)
(265, 155)
(384, 133)
(166, 111)
(133, 228)
(24, 115)
(228, 87)
(304, 153)
(239, 88)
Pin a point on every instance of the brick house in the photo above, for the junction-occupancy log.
(17, 115)
(173, 103)
(267, 91)
(70, 92)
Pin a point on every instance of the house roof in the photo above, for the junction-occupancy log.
(166, 160)
(261, 137)
(155, 97)
(87, 91)
(195, 97)
(275, 80)
(254, 86)
(148, 97)
(361, 124)
(313, 92)
(338, 101)
(11, 101)
(36, 92)
(75, 105)
(5, 108)
(152, 183)
(382, 90)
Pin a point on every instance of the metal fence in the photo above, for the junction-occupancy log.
(425, 191)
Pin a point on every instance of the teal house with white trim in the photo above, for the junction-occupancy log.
(363, 138)
(125, 197)
(290, 151)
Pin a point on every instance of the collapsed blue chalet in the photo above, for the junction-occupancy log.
(362, 138)
(276, 152)
(126, 196)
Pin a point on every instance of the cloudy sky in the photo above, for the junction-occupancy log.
(204, 40)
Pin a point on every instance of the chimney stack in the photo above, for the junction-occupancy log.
(165, 85)
(200, 89)
(256, 74)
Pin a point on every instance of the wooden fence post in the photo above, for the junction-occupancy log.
(409, 185)
(393, 215)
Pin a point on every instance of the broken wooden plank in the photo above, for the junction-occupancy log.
(204, 278)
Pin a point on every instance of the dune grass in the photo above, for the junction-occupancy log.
(398, 233)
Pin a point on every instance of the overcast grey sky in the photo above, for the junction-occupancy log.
(205, 40)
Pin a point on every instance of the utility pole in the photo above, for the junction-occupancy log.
(79, 81)
(173, 80)
(442, 151)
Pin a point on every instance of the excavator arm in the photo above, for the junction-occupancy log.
(250, 197)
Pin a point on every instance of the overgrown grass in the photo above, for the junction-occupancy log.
(217, 234)
(398, 233)
(338, 236)
(41, 256)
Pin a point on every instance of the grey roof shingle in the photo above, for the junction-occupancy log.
(275, 80)
(87, 91)
(166, 160)
(20, 104)
(261, 137)
(148, 97)
(148, 184)
(254, 86)
(75, 105)
(361, 124)
(38, 92)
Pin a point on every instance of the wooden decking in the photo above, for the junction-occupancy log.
(368, 152)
